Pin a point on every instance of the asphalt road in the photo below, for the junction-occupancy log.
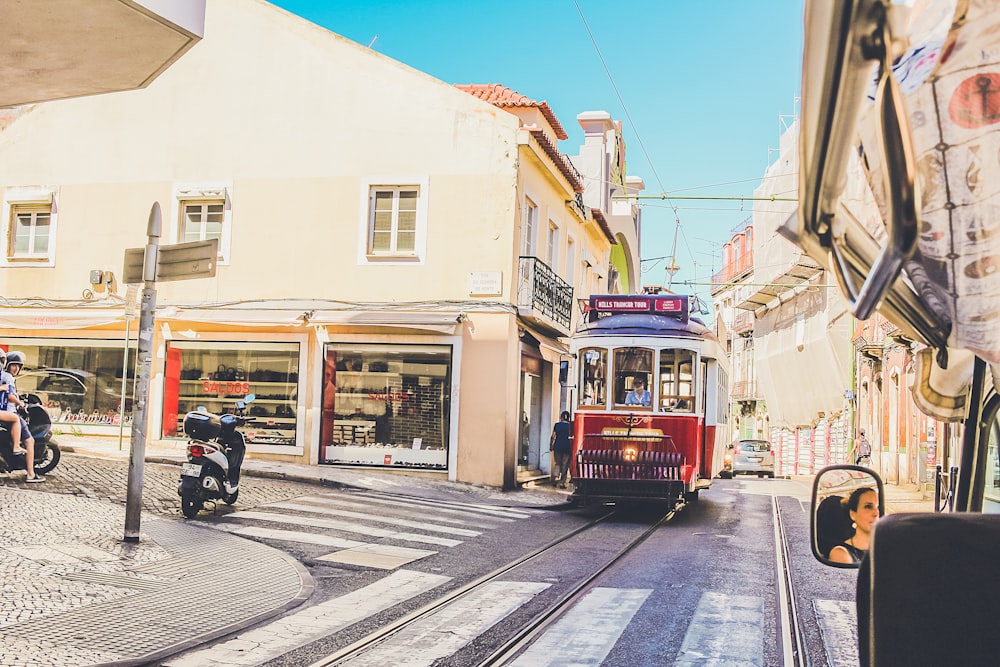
(704, 584)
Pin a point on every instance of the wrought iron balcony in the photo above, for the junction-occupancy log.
(547, 298)
(744, 390)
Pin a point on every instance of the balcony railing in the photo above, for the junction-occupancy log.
(742, 322)
(545, 293)
(744, 390)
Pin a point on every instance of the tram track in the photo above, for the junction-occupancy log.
(530, 630)
(792, 645)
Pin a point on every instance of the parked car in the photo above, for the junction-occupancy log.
(748, 457)
(69, 390)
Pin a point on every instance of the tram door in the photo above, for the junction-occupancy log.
(529, 447)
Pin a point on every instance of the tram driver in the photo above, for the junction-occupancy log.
(639, 394)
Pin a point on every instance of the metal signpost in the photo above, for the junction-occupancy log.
(177, 262)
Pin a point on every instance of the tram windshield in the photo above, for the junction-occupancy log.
(633, 371)
(676, 381)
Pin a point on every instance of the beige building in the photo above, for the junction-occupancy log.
(400, 258)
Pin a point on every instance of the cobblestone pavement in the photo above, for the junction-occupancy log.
(107, 479)
(73, 592)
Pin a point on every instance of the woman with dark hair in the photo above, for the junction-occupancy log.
(862, 506)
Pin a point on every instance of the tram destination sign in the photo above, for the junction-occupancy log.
(673, 305)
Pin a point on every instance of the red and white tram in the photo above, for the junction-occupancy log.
(652, 401)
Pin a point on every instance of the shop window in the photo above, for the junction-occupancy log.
(593, 374)
(215, 375)
(386, 405)
(78, 381)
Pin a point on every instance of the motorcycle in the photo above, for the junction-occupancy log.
(215, 454)
(40, 425)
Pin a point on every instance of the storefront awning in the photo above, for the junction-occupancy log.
(81, 317)
(439, 322)
(794, 279)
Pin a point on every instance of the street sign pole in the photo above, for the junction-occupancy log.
(137, 456)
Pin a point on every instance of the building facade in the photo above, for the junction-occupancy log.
(399, 258)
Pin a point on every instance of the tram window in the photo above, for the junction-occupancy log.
(633, 371)
(593, 374)
(676, 381)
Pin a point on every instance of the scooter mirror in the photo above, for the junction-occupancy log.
(846, 502)
(202, 408)
(249, 398)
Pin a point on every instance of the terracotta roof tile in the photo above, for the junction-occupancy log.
(562, 162)
(602, 222)
(502, 96)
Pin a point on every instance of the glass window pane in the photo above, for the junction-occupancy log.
(407, 221)
(381, 242)
(593, 376)
(406, 242)
(383, 200)
(383, 221)
(408, 200)
(633, 368)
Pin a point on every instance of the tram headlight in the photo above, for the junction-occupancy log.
(630, 454)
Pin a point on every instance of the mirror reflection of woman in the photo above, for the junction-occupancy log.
(862, 506)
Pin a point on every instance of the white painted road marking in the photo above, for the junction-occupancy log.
(344, 526)
(288, 535)
(587, 633)
(725, 630)
(363, 505)
(838, 626)
(448, 630)
(382, 556)
(367, 516)
(465, 508)
(294, 630)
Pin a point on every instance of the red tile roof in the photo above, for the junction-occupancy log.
(561, 161)
(602, 222)
(502, 96)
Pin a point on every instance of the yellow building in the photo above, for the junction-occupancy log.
(399, 261)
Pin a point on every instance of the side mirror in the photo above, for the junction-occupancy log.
(846, 502)
(249, 398)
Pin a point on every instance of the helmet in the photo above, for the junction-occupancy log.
(14, 357)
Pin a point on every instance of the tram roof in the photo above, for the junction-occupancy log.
(644, 324)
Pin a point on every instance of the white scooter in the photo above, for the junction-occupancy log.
(215, 454)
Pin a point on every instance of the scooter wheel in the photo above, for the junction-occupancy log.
(191, 504)
(230, 498)
(49, 461)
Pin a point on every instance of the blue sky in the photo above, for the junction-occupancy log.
(706, 85)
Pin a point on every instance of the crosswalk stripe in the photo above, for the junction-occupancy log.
(725, 630)
(447, 506)
(448, 630)
(381, 556)
(421, 525)
(343, 526)
(288, 535)
(293, 630)
(327, 501)
(585, 635)
(838, 625)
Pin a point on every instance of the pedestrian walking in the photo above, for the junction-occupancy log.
(862, 450)
(562, 448)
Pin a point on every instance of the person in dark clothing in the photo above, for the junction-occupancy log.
(862, 506)
(562, 447)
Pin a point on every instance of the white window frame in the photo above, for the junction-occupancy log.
(204, 193)
(366, 217)
(529, 227)
(552, 246)
(571, 262)
(39, 198)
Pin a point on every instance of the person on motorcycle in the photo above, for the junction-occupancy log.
(14, 362)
